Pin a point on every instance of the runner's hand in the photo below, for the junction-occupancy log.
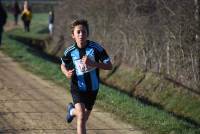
(69, 73)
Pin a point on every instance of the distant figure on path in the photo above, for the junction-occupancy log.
(16, 11)
(3, 18)
(26, 16)
(51, 22)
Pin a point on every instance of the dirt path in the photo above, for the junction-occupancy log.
(29, 104)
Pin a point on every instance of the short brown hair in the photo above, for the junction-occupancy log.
(80, 22)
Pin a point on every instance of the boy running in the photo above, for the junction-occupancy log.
(81, 62)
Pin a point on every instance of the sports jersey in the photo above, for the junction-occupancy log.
(85, 78)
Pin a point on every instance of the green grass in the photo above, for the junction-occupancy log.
(147, 117)
(131, 110)
(172, 97)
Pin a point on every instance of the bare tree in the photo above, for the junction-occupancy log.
(153, 35)
(197, 18)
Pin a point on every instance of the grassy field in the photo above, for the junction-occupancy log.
(129, 109)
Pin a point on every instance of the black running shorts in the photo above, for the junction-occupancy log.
(87, 98)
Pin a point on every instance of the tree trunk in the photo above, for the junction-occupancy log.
(197, 16)
(168, 58)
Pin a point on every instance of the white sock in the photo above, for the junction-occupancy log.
(71, 111)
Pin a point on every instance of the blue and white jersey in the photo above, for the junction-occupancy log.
(85, 78)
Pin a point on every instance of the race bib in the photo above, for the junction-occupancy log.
(82, 68)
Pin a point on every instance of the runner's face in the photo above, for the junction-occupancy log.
(80, 35)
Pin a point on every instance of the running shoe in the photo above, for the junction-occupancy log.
(69, 118)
